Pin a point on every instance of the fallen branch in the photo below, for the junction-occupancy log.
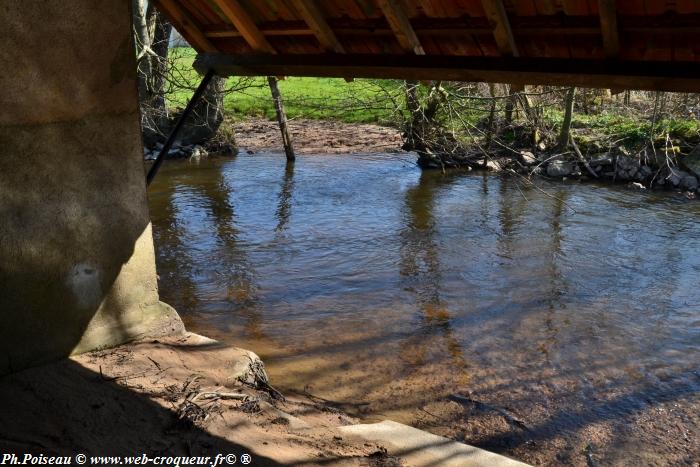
(221, 395)
(581, 158)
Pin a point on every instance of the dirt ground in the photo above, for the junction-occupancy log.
(316, 136)
(173, 396)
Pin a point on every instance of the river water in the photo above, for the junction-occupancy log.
(572, 308)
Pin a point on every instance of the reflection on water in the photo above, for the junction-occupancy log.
(364, 281)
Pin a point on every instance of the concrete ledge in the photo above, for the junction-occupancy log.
(418, 448)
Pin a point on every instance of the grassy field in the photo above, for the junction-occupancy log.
(362, 100)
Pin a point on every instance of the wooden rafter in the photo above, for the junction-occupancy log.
(502, 32)
(401, 26)
(241, 20)
(608, 26)
(186, 25)
(313, 16)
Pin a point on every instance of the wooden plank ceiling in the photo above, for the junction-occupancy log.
(645, 44)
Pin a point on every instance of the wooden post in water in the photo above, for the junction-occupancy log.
(281, 118)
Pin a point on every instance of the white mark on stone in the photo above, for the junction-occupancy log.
(84, 282)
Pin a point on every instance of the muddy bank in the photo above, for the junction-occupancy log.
(660, 165)
(617, 166)
(254, 134)
(316, 136)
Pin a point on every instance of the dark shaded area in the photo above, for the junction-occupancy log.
(114, 420)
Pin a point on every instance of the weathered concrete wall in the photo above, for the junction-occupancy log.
(77, 267)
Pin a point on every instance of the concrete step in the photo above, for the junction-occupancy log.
(418, 448)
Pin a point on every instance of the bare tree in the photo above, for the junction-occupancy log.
(563, 140)
(156, 79)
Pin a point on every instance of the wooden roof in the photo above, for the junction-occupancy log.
(644, 44)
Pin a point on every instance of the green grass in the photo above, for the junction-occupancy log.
(318, 98)
(362, 100)
(626, 129)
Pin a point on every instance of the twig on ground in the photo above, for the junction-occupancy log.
(154, 362)
(220, 395)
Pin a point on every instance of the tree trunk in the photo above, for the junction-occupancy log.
(142, 40)
(160, 44)
(510, 104)
(492, 116)
(207, 115)
(155, 119)
(281, 118)
(568, 113)
(152, 36)
(528, 109)
(421, 115)
(412, 136)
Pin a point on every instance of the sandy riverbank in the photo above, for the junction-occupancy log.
(316, 136)
(189, 397)
(174, 396)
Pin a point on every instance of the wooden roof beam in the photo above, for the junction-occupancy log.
(241, 20)
(608, 26)
(185, 24)
(313, 16)
(502, 32)
(401, 26)
(674, 76)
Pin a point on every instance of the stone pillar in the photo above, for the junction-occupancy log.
(77, 266)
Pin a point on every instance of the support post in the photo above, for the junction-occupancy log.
(281, 118)
(178, 126)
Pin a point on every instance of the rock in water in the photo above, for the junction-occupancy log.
(691, 162)
(562, 169)
(689, 183)
(527, 158)
(676, 177)
(198, 153)
(494, 166)
(601, 160)
(644, 172)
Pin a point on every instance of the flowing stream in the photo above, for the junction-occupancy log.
(573, 308)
